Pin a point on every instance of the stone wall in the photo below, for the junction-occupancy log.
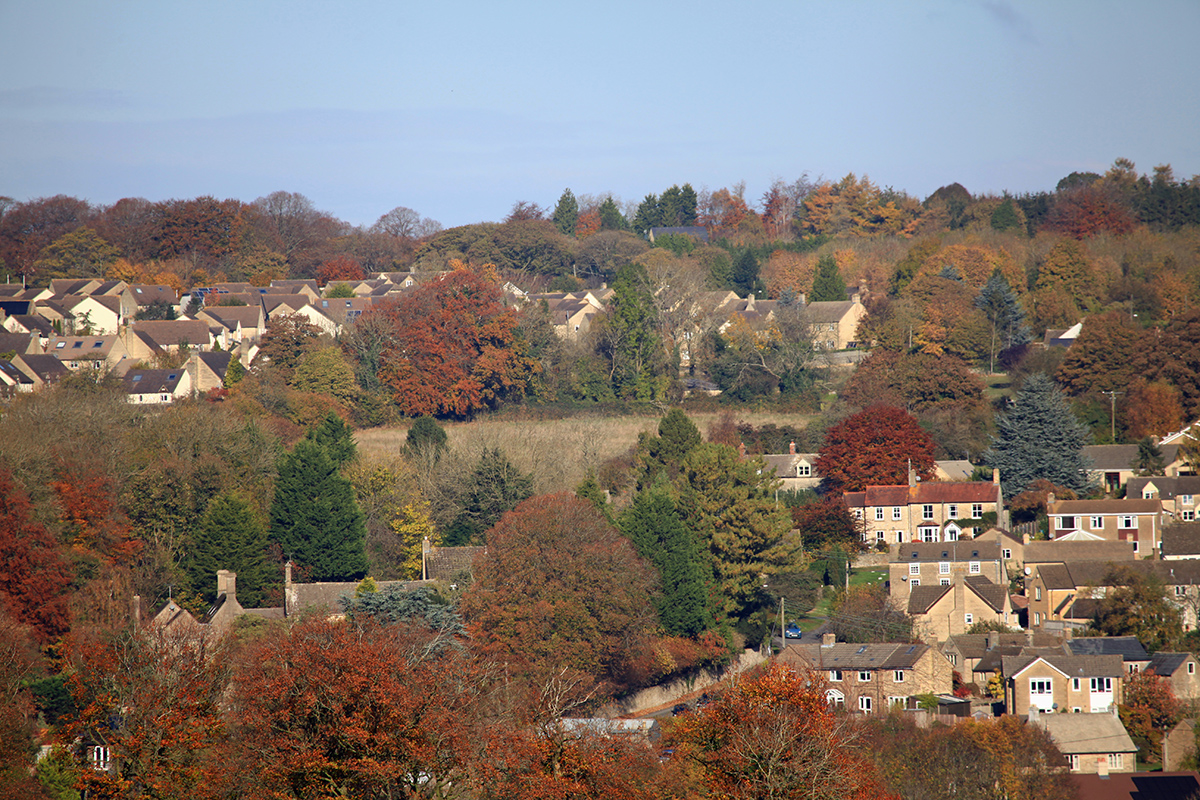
(669, 693)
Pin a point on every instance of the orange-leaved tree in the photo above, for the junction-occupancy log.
(34, 579)
(773, 736)
(456, 349)
(875, 447)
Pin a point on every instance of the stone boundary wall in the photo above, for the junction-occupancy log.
(670, 693)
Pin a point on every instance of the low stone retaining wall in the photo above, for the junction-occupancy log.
(670, 693)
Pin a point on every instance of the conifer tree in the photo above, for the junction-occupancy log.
(677, 436)
(336, 437)
(828, 284)
(315, 517)
(611, 218)
(1004, 313)
(566, 213)
(1039, 438)
(234, 372)
(425, 438)
(495, 486)
(661, 537)
(745, 273)
(230, 536)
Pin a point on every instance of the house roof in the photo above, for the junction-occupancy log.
(1168, 663)
(961, 550)
(1137, 785)
(12, 376)
(218, 362)
(145, 293)
(923, 598)
(993, 660)
(153, 381)
(994, 594)
(296, 285)
(929, 492)
(1181, 539)
(1076, 734)
(1127, 647)
(824, 312)
(974, 645)
(1041, 552)
(47, 368)
(1169, 487)
(1091, 666)
(35, 323)
(229, 317)
(73, 348)
(17, 343)
(169, 332)
(325, 598)
(854, 656)
(1120, 457)
(443, 563)
(1101, 507)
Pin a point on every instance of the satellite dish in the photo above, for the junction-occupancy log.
(1028, 571)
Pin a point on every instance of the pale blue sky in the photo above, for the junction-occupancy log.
(458, 109)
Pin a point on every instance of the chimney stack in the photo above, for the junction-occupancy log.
(996, 476)
(1102, 766)
(227, 583)
(792, 448)
(828, 639)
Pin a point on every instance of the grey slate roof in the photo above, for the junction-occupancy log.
(153, 381)
(1167, 663)
(1181, 539)
(854, 656)
(1042, 552)
(1168, 487)
(923, 598)
(1077, 734)
(962, 550)
(1127, 647)
(1073, 666)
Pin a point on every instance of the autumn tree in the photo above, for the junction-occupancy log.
(1149, 710)
(36, 579)
(867, 614)
(773, 735)
(154, 698)
(361, 710)
(1039, 438)
(314, 516)
(230, 536)
(1151, 409)
(826, 524)
(729, 505)
(340, 268)
(875, 447)
(1174, 357)
(560, 587)
(287, 339)
(324, 370)
(403, 222)
(657, 530)
(628, 339)
(1137, 605)
(1102, 357)
(455, 348)
(20, 666)
(26, 228)
(78, 254)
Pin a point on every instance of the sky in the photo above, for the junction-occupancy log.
(459, 108)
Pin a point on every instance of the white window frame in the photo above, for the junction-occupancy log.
(1075, 684)
(1191, 668)
(864, 676)
(968, 619)
(976, 568)
(100, 757)
(927, 511)
(1066, 522)
(1097, 523)
(879, 513)
(1188, 515)
(1041, 686)
(1126, 522)
(943, 568)
(952, 511)
(864, 704)
(1006, 554)
(1101, 686)
(1186, 499)
(898, 676)
(976, 510)
(914, 569)
(835, 676)
(896, 512)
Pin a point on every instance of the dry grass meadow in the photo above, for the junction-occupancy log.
(558, 453)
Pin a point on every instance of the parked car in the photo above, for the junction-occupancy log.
(680, 708)
(792, 631)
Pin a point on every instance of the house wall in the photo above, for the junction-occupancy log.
(1067, 693)
(931, 673)
(917, 521)
(949, 616)
(929, 573)
(1144, 531)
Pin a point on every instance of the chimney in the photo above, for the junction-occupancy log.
(996, 476)
(1102, 766)
(792, 448)
(912, 476)
(1049, 500)
(990, 641)
(135, 609)
(828, 639)
(227, 583)
(803, 299)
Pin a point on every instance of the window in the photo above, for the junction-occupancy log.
(60, 345)
(969, 619)
(1040, 686)
(879, 536)
(864, 704)
(1037, 592)
(97, 344)
(1147, 494)
(951, 534)
(1191, 668)
(1074, 761)
(1181, 591)
(77, 345)
(928, 533)
(944, 581)
(976, 510)
(1101, 684)
(927, 511)
(803, 470)
(1007, 554)
(943, 568)
(895, 512)
(100, 758)
(1114, 760)
(899, 537)
(835, 675)
(1037, 618)
(1135, 545)
(1186, 499)
(897, 701)
(858, 513)
(863, 536)
(1126, 522)
(1066, 523)
(1189, 516)
(898, 676)
(864, 676)
(1075, 684)
(879, 513)
(952, 510)
(1097, 523)
(915, 582)
(914, 569)
(976, 568)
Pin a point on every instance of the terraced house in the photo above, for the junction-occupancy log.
(927, 512)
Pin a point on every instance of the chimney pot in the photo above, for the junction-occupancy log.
(792, 448)
(828, 639)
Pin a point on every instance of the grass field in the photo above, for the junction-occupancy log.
(557, 452)
(874, 576)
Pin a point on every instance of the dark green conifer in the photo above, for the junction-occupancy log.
(230, 536)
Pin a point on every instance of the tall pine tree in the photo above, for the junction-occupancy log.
(315, 517)
(661, 537)
(828, 283)
(495, 486)
(1040, 438)
(1004, 313)
(336, 437)
(566, 213)
(230, 536)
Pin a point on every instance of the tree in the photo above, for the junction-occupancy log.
(1102, 357)
(340, 268)
(867, 614)
(559, 587)
(1149, 459)
(356, 710)
(729, 505)
(629, 339)
(425, 438)
(314, 516)
(1150, 710)
(677, 436)
(745, 274)
(494, 486)
(773, 735)
(1174, 358)
(658, 532)
(1039, 438)
(26, 228)
(230, 536)
(159, 309)
(1005, 315)
(828, 283)
(611, 218)
(286, 340)
(404, 223)
(324, 370)
(1151, 409)
(34, 579)
(566, 213)
(827, 523)
(455, 349)
(78, 254)
(1137, 605)
(875, 447)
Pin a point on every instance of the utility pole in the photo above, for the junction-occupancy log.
(1113, 415)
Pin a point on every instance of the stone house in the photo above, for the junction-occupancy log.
(871, 678)
(1112, 465)
(926, 512)
(1181, 670)
(1138, 521)
(834, 323)
(157, 386)
(1062, 683)
(942, 564)
(942, 611)
(1094, 743)
(1179, 495)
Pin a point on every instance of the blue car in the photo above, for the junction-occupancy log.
(792, 631)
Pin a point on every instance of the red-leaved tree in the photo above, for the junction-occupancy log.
(875, 447)
(456, 348)
(94, 522)
(33, 577)
(340, 268)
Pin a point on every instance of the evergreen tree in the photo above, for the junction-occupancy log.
(661, 537)
(336, 437)
(677, 436)
(1005, 216)
(495, 486)
(314, 516)
(1004, 313)
(683, 214)
(611, 218)
(1039, 438)
(630, 338)
(1149, 459)
(566, 213)
(649, 215)
(590, 490)
(828, 284)
(745, 273)
(234, 372)
(425, 437)
(230, 536)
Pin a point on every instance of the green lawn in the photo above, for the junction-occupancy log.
(874, 576)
